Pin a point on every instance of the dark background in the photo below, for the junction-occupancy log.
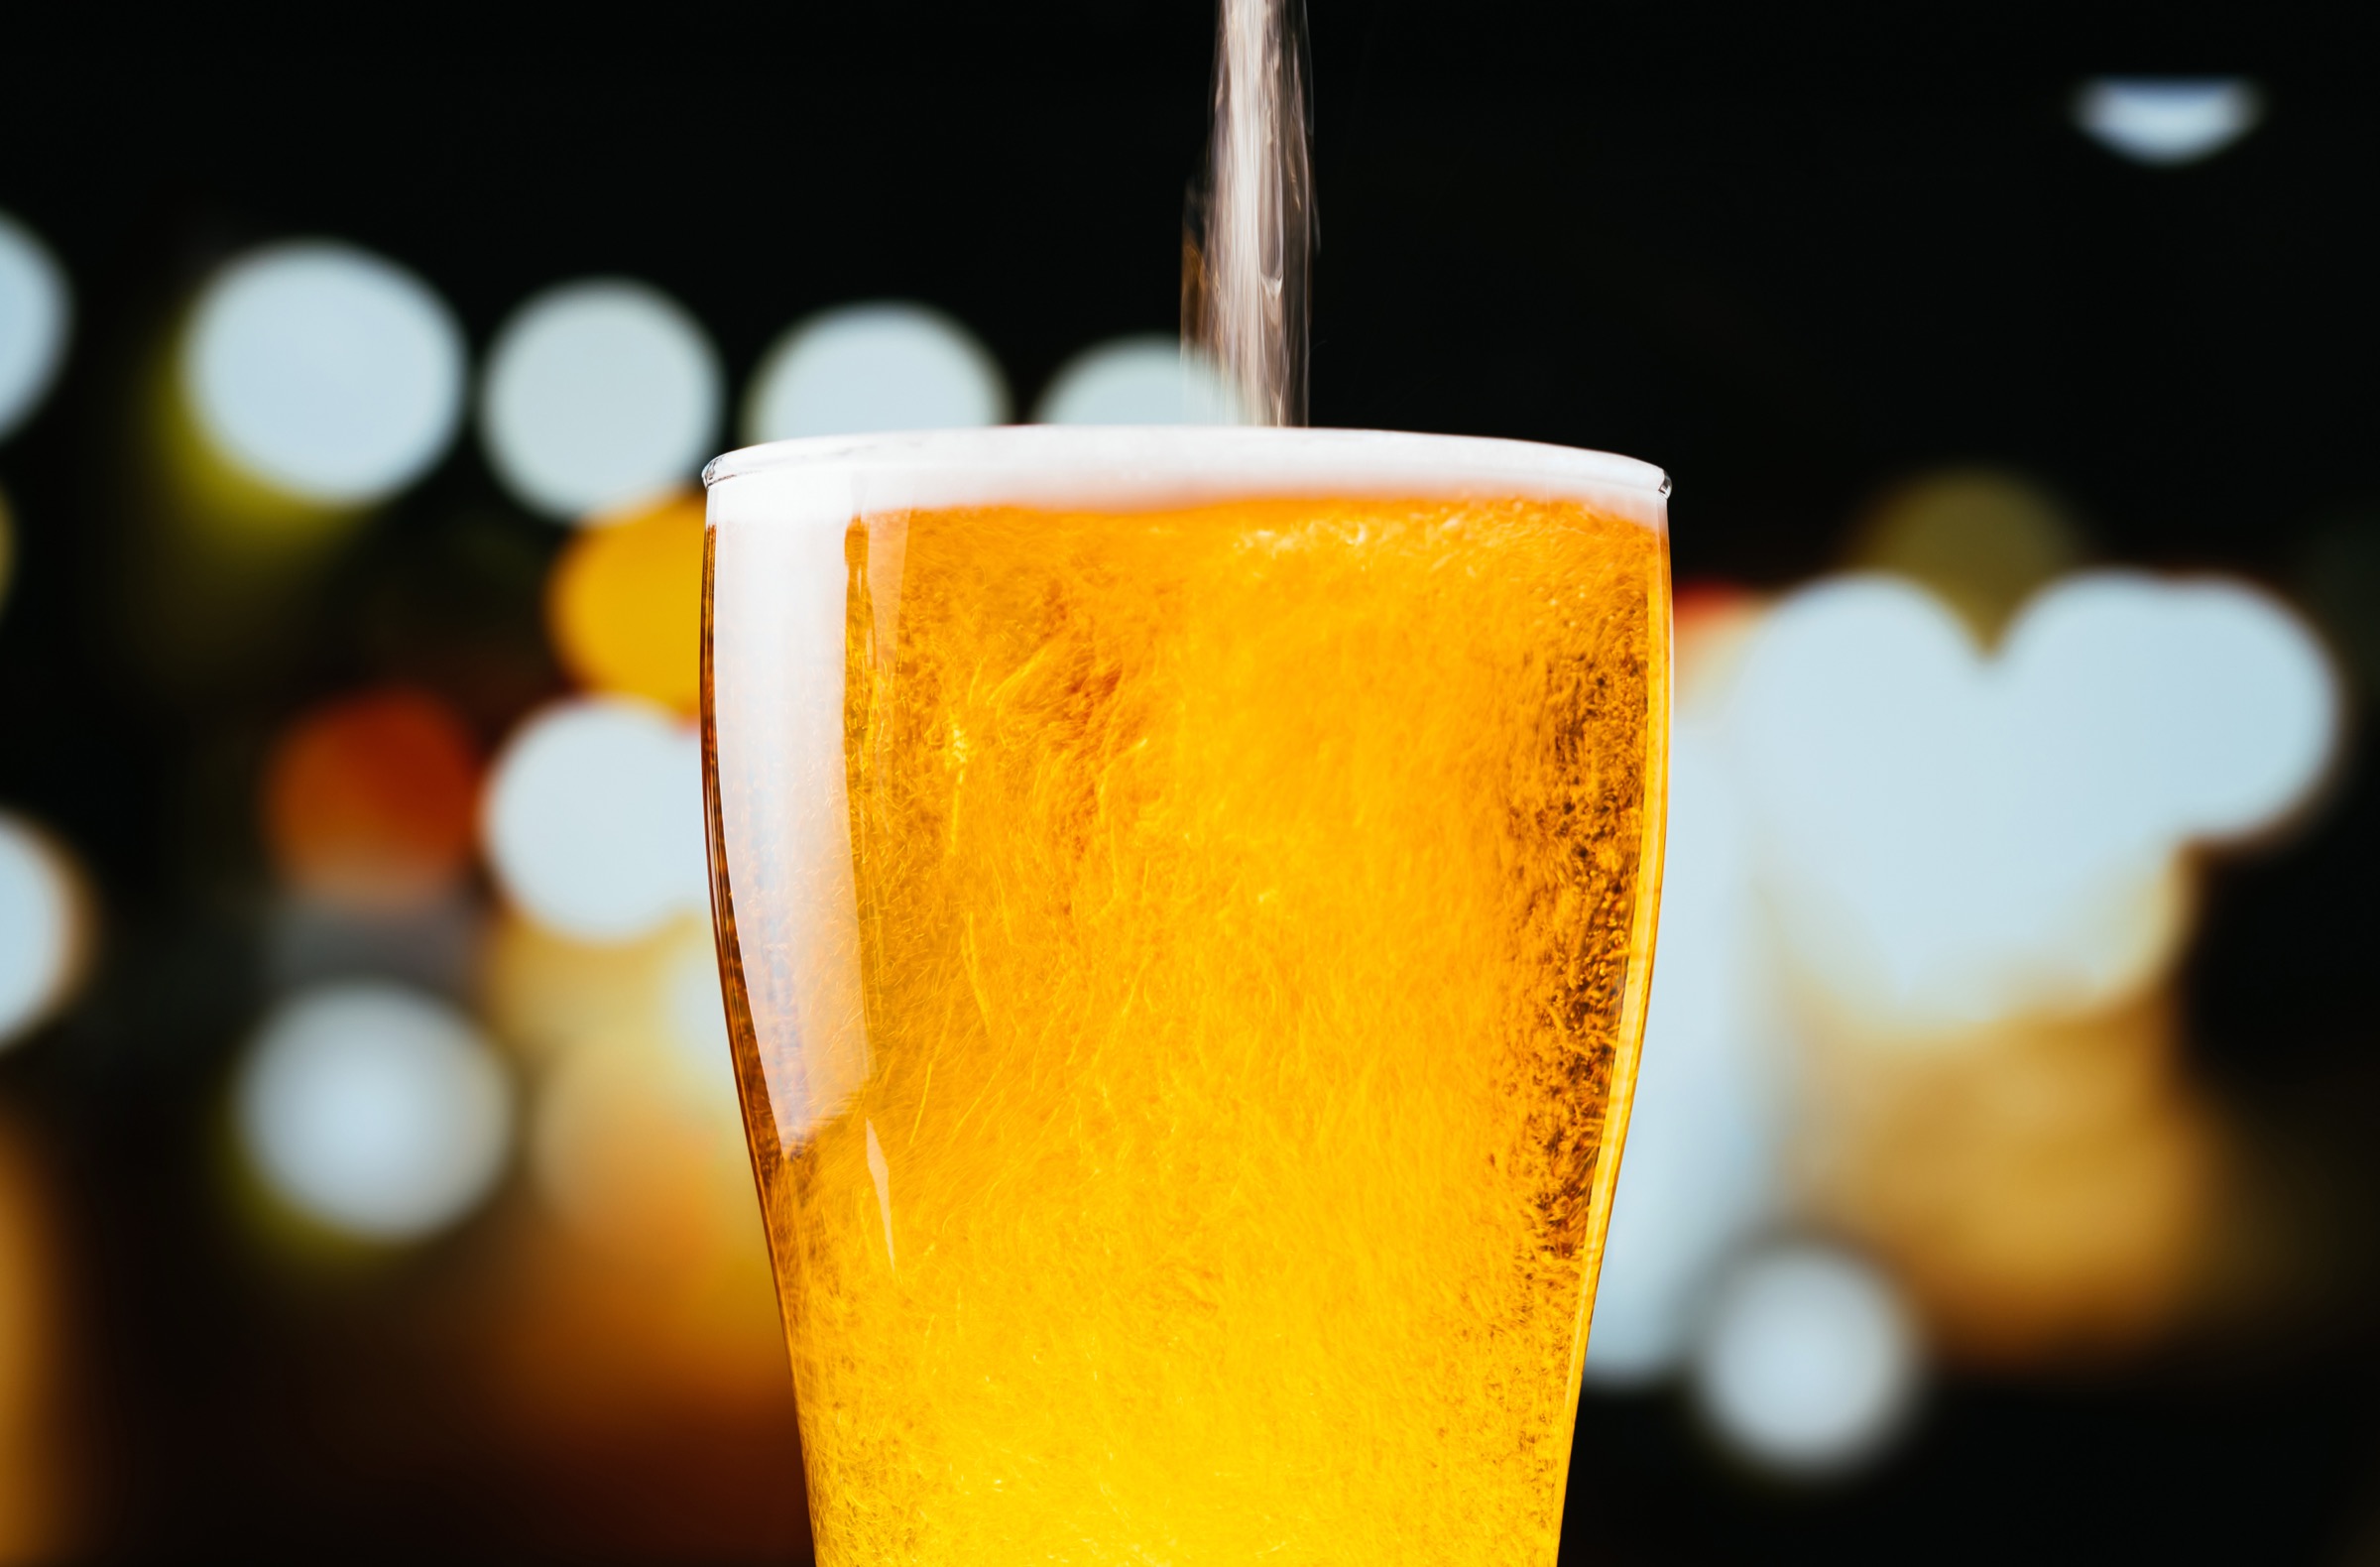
(1789, 268)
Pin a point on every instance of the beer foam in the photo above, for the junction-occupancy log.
(833, 479)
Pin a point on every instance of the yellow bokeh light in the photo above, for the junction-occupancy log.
(216, 505)
(625, 604)
(636, 1154)
(541, 992)
(649, 1287)
(35, 1466)
(220, 559)
(1711, 623)
(1983, 540)
(2044, 1187)
(637, 1140)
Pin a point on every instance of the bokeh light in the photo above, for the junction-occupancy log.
(1981, 540)
(593, 818)
(1961, 1049)
(2044, 1189)
(1809, 1361)
(695, 1014)
(2005, 964)
(869, 367)
(598, 395)
(323, 371)
(637, 1139)
(1957, 839)
(625, 604)
(369, 800)
(653, 1292)
(374, 1110)
(2166, 121)
(540, 992)
(1144, 380)
(36, 314)
(44, 927)
(2196, 709)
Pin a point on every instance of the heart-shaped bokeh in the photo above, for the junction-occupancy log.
(1949, 836)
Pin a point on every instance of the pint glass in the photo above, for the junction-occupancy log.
(1186, 903)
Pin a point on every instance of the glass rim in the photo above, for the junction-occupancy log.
(1252, 457)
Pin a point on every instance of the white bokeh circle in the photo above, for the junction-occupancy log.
(36, 317)
(43, 931)
(860, 368)
(593, 819)
(323, 370)
(374, 1109)
(1143, 379)
(2168, 120)
(2193, 708)
(1808, 1362)
(597, 395)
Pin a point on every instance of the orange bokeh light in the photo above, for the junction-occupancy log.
(369, 801)
(2045, 1187)
(36, 1455)
(625, 604)
(1709, 624)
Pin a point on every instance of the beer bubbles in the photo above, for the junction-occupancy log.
(324, 372)
(598, 395)
(36, 311)
(593, 818)
(373, 1110)
(883, 366)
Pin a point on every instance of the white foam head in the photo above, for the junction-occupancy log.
(1141, 468)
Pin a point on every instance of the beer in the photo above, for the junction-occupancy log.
(1186, 1001)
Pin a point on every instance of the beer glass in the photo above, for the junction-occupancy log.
(1186, 903)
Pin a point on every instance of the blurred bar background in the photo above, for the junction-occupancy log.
(2007, 1152)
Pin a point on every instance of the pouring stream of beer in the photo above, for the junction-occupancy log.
(1249, 223)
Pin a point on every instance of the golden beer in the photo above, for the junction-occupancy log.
(1187, 935)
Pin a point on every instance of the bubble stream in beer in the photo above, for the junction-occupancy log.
(1255, 909)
